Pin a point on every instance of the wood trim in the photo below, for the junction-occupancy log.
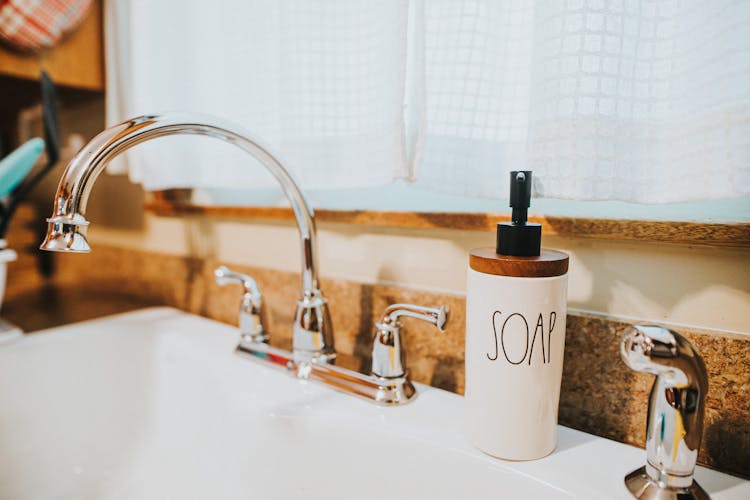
(165, 203)
(549, 264)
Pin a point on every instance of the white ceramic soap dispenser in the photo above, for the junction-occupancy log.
(516, 297)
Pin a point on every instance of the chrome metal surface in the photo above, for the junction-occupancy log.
(68, 224)
(675, 413)
(640, 485)
(251, 315)
(67, 234)
(387, 384)
(312, 335)
(388, 356)
(386, 392)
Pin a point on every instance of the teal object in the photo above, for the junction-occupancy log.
(15, 166)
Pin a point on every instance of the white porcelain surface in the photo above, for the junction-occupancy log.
(6, 255)
(156, 405)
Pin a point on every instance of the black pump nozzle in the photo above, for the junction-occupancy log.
(520, 195)
(519, 237)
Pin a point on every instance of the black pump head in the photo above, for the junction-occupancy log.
(519, 237)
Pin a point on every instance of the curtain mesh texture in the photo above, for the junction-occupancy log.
(642, 101)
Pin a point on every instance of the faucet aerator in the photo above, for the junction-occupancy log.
(66, 235)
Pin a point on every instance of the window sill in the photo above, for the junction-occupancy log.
(169, 203)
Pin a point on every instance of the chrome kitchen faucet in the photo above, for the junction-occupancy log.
(312, 331)
(312, 353)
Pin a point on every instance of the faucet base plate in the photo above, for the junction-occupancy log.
(642, 486)
(394, 391)
(379, 390)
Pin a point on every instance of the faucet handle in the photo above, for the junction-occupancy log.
(251, 315)
(225, 276)
(388, 357)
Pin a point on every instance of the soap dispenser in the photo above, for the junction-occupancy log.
(516, 296)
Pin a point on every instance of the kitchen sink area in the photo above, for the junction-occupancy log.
(381, 250)
(157, 404)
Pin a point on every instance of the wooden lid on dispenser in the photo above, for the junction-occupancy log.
(548, 264)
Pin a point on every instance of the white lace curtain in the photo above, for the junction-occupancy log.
(645, 101)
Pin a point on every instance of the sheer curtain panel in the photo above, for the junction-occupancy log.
(634, 100)
(322, 81)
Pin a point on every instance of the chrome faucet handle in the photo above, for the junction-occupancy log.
(675, 413)
(251, 317)
(388, 357)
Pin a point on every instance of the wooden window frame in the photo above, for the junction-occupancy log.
(175, 203)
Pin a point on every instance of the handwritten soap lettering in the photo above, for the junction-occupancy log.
(516, 324)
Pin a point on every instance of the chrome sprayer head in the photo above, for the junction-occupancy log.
(675, 413)
(66, 234)
(644, 348)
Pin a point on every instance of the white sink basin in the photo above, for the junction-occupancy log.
(155, 404)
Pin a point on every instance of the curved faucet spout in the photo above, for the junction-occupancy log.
(68, 225)
(312, 330)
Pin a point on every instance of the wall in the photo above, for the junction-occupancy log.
(701, 287)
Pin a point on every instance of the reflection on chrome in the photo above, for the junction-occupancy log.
(675, 413)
